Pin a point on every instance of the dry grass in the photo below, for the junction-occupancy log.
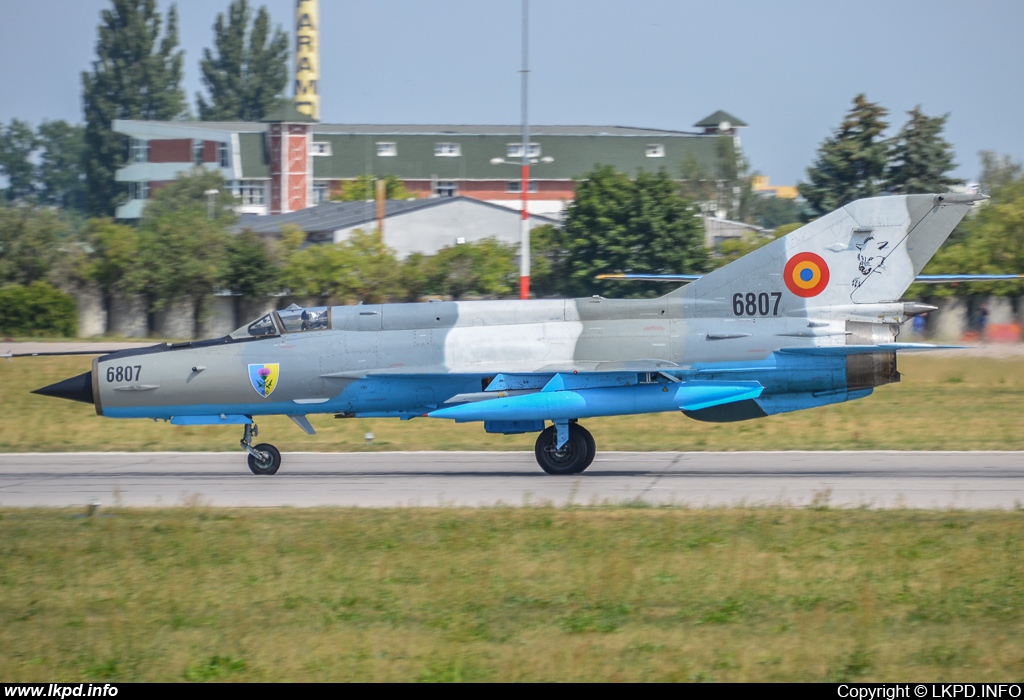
(529, 594)
(942, 404)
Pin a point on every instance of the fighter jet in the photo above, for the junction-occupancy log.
(808, 320)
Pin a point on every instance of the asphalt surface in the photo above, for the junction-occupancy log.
(941, 480)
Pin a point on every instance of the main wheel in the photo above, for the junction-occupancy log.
(269, 464)
(591, 447)
(572, 458)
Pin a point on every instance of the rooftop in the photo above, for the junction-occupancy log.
(332, 216)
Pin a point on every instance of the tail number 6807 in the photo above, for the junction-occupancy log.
(754, 304)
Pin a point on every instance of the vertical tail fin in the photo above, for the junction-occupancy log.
(869, 251)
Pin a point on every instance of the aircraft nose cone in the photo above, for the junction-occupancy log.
(76, 389)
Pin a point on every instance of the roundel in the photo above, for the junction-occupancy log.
(806, 275)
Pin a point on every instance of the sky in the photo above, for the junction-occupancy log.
(789, 68)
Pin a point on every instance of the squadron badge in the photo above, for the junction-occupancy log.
(264, 378)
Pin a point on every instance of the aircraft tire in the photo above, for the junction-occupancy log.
(591, 447)
(573, 458)
(271, 465)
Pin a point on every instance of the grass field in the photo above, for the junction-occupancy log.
(943, 403)
(528, 594)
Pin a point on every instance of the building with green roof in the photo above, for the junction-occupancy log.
(289, 162)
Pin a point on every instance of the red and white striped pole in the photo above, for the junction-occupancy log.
(524, 231)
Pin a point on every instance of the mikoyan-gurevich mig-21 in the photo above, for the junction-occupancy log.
(808, 320)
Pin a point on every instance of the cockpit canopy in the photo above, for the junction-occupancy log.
(294, 319)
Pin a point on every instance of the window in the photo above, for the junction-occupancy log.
(138, 151)
(449, 150)
(250, 192)
(320, 148)
(515, 150)
(224, 154)
(387, 149)
(197, 151)
(321, 192)
(516, 186)
(138, 190)
(265, 326)
(446, 188)
(296, 319)
(655, 150)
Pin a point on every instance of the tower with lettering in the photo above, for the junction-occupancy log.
(307, 58)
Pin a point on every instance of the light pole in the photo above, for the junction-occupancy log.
(524, 223)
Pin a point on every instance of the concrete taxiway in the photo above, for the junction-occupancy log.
(971, 480)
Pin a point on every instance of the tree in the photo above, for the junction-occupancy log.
(30, 243)
(736, 248)
(358, 269)
(37, 309)
(725, 187)
(851, 163)
(364, 187)
(182, 249)
(619, 225)
(112, 262)
(251, 272)
(17, 143)
(919, 157)
(136, 75)
(485, 268)
(245, 79)
(989, 242)
(60, 175)
(545, 261)
(772, 212)
(997, 171)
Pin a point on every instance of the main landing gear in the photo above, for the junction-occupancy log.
(572, 457)
(264, 459)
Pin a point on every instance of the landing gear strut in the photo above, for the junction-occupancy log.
(571, 458)
(264, 459)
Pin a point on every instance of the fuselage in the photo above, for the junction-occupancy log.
(406, 359)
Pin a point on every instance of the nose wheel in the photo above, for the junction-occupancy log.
(571, 458)
(264, 458)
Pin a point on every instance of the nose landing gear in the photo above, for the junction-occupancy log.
(264, 458)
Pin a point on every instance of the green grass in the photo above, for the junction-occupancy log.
(942, 404)
(528, 594)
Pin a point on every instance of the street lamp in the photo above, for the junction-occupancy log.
(524, 225)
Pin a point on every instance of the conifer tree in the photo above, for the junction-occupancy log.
(61, 181)
(919, 157)
(245, 79)
(851, 163)
(17, 143)
(136, 75)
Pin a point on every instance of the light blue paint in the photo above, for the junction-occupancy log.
(605, 401)
(211, 420)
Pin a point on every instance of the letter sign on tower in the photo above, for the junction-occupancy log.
(307, 57)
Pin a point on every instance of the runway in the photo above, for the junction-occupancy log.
(941, 480)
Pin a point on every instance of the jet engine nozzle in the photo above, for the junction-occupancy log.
(75, 389)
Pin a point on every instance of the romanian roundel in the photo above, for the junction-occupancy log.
(806, 275)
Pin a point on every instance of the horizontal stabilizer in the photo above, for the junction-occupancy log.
(925, 279)
(945, 279)
(840, 350)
